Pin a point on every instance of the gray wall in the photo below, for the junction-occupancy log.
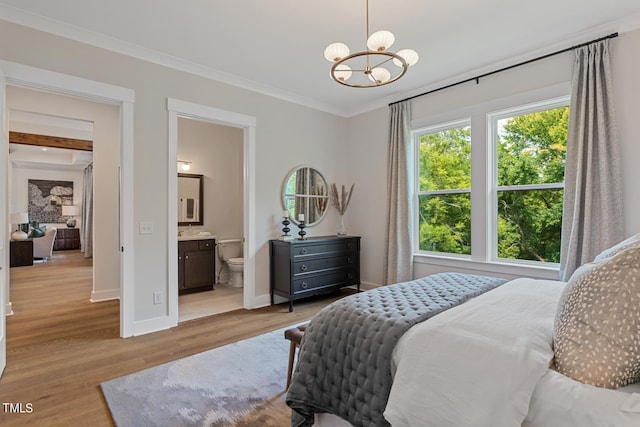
(288, 135)
(368, 133)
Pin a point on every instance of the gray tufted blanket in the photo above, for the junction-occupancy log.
(344, 364)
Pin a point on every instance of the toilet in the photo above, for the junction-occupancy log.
(230, 252)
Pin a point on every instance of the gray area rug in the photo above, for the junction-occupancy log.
(240, 384)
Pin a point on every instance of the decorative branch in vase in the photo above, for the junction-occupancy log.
(341, 202)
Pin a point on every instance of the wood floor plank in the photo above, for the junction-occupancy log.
(60, 346)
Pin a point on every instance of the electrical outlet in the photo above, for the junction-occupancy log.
(157, 297)
(146, 227)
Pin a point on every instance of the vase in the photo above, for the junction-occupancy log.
(342, 231)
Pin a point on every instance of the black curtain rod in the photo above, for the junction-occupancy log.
(477, 78)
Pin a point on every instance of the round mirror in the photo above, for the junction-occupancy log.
(305, 193)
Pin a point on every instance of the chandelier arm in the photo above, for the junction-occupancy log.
(391, 58)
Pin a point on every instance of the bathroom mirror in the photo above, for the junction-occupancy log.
(190, 199)
(305, 192)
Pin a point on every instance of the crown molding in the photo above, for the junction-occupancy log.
(81, 35)
(624, 25)
(58, 28)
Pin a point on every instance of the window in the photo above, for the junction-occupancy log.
(517, 194)
(530, 148)
(444, 188)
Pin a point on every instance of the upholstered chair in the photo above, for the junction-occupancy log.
(43, 246)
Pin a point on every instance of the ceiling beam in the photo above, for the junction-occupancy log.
(50, 141)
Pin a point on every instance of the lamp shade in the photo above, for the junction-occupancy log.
(380, 40)
(409, 55)
(19, 218)
(70, 210)
(379, 75)
(336, 51)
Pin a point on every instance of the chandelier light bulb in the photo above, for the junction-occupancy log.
(380, 40)
(343, 72)
(380, 75)
(336, 51)
(409, 55)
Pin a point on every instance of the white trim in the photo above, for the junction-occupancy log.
(178, 108)
(143, 327)
(482, 118)
(41, 79)
(105, 295)
(127, 251)
(543, 271)
(91, 38)
(52, 26)
(5, 304)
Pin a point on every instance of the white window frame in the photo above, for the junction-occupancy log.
(492, 139)
(416, 134)
(482, 159)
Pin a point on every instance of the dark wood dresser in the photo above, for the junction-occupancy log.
(301, 268)
(67, 238)
(21, 253)
(196, 265)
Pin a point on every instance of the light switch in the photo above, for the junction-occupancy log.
(146, 227)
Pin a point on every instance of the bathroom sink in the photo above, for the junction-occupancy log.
(197, 236)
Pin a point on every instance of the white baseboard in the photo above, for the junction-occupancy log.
(143, 327)
(105, 295)
(9, 309)
(261, 301)
(368, 285)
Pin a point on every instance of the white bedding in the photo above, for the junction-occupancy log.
(485, 363)
(480, 361)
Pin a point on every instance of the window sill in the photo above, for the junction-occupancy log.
(543, 271)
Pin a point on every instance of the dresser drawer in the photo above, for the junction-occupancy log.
(311, 265)
(345, 276)
(340, 245)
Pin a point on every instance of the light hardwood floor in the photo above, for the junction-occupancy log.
(60, 346)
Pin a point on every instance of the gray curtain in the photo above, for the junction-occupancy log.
(398, 265)
(592, 216)
(86, 228)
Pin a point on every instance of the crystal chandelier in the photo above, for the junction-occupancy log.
(369, 68)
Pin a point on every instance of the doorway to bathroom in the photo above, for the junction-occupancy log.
(210, 218)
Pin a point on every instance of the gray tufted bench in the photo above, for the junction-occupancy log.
(295, 336)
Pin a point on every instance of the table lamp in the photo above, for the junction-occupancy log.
(71, 211)
(19, 218)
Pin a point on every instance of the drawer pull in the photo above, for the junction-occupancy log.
(304, 285)
(186, 257)
(349, 260)
(179, 257)
(350, 276)
(303, 251)
(303, 267)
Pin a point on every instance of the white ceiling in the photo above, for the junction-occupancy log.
(276, 46)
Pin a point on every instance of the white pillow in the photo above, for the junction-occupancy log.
(608, 253)
(597, 332)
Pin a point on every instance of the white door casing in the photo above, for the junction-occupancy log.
(177, 108)
(13, 74)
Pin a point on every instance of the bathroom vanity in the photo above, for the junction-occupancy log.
(196, 263)
(316, 265)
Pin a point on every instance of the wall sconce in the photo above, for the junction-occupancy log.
(183, 165)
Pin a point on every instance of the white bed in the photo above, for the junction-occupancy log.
(486, 363)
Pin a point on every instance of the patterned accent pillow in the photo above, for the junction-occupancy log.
(37, 231)
(632, 241)
(597, 332)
